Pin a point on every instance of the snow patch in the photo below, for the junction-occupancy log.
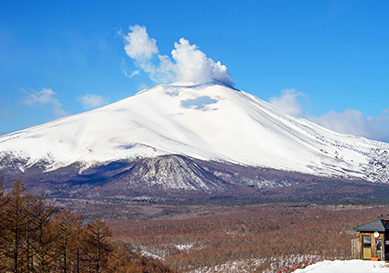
(353, 266)
(184, 247)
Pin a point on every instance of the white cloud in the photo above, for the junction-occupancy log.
(191, 64)
(136, 72)
(351, 121)
(288, 102)
(90, 101)
(44, 97)
(165, 71)
(139, 45)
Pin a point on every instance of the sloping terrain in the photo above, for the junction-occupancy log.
(150, 143)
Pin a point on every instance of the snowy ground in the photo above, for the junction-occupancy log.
(354, 266)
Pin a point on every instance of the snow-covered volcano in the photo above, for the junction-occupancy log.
(212, 122)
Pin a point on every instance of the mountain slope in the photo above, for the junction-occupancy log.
(174, 172)
(211, 122)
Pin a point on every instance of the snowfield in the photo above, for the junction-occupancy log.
(210, 121)
(353, 266)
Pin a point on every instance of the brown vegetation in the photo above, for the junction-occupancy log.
(270, 237)
(35, 236)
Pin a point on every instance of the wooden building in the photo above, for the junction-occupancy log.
(373, 241)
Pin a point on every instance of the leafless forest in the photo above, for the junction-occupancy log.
(266, 237)
(36, 236)
(39, 235)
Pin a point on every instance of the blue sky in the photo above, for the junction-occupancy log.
(327, 61)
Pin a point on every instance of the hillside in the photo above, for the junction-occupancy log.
(187, 138)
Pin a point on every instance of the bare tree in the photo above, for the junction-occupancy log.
(3, 242)
(96, 245)
(67, 226)
(43, 234)
(14, 227)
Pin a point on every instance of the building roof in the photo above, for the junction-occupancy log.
(379, 225)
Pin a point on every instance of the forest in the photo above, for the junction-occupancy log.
(38, 236)
(43, 235)
(252, 238)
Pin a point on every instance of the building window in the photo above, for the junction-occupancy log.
(366, 241)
